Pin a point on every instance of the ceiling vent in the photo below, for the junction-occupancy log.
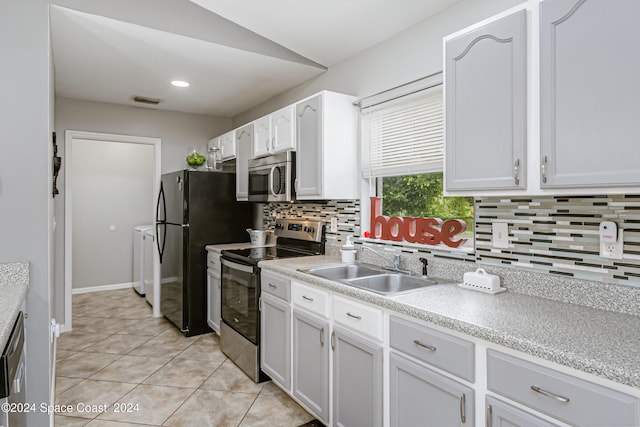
(146, 100)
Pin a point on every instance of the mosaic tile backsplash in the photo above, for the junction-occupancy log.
(555, 235)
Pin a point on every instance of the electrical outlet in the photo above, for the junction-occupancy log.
(500, 235)
(334, 225)
(613, 250)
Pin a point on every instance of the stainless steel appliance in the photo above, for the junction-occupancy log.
(12, 378)
(195, 208)
(271, 178)
(240, 326)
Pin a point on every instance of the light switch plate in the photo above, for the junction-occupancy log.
(500, 235)
(334, 224)
(613, 250)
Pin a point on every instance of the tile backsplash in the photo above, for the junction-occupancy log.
(555, 235)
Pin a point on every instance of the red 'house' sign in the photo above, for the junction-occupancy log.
(414, 230)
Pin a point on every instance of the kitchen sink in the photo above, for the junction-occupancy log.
(388, 284)
(374, 279)
(344, 271)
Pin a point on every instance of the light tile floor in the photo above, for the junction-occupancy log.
(120, 357)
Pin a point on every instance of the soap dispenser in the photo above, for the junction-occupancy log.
(348, 251)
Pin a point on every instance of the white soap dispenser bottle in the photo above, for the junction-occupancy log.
(348, 251)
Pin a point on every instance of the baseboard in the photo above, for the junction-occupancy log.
(100, 288)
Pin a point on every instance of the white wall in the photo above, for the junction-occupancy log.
(112, 186)
(179, 133)
(25, 176)
(410, 55)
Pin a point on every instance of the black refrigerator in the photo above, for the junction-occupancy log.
(194, 209)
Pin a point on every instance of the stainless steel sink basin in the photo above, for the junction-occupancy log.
(391, 283)
(374, 279)
(344, 271)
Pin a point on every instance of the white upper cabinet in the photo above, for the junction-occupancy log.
(590, 93)
(275, 132)
(327, 147)
(244, 147)
(486, 81)
(228, 146)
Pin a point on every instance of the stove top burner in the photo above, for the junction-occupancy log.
(265, 253)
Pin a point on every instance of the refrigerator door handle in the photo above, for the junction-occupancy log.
(158, 238)
(164, 206)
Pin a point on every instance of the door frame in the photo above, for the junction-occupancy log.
(70, 135)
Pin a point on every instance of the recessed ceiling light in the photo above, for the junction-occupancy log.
(180, 83)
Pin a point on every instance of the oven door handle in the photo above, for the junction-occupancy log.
(236, 266)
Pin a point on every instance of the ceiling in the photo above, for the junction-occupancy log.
(234, 54)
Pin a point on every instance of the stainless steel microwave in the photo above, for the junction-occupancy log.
(271, 178)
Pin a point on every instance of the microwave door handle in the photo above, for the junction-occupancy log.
(271, 172)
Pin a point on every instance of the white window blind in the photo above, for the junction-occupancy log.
(404, 136)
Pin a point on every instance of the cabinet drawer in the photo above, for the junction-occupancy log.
(358, 317)
(443, 351)
(570, 399)
(311, 299)
(276, 285)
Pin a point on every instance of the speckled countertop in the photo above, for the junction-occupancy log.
(595, 341)
(14, 283)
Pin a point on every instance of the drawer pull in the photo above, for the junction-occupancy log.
(273, 286)
(307, 298)
(463, 404)
(549, 394)
(428, 347)
(354, 316)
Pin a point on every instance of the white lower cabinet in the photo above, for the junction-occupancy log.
(357, 380)
(275, 340)
(214, 308)
(420, 396)
(501, 414)
(311, 362)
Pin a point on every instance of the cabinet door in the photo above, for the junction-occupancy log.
(420, 396)
(485, 79)
(283, 130)
(261, 136)
(501, 414)
(228, 146)
(589, 93)
(311, 363)
(213, 300)
(357, 380)
(275, 339)
(309, 161)
(244, 147)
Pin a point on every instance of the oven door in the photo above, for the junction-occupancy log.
(240, 297)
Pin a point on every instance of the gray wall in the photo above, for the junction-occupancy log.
(411, 54)
(179, 133)
(112, 186)
(25, 171)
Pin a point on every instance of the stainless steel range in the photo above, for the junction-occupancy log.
(240, 326)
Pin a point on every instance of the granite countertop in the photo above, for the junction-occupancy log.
(14, 283)
(595, 341)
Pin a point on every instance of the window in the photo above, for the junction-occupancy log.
(402, 154)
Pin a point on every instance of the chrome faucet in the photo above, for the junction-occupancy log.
(396, 259)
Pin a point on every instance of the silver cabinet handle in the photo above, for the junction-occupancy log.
(549, 394)
(307, 298)
(489, 416)
(333, 343)
(354, 316)
(544, 169)
(273, 286)
(428, 347)
(463, 404)
(516, 171)
(322, 337)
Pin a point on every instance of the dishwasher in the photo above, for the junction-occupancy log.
(12, 378)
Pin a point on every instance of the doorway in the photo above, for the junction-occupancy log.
(111, 182)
